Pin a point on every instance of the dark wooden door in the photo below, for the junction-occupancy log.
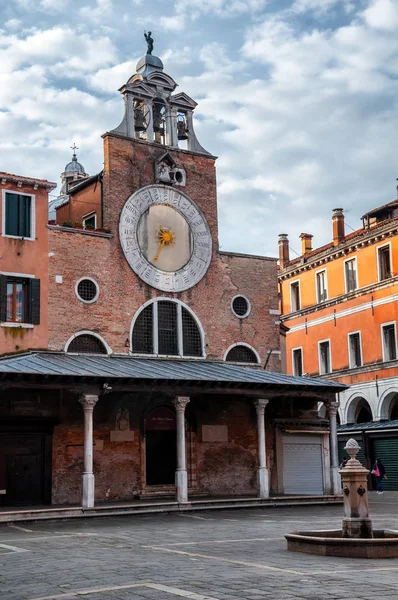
(23, 473)
(161, 457)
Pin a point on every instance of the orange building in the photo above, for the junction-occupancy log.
(339, 303)
(23, 262)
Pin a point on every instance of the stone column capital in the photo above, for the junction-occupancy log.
(332, 406)
(260, 405)
(180, 403)
(88, 401)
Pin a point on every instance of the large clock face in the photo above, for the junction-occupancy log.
(165, 238)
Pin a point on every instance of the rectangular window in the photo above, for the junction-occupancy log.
(19, 300)
(295, 296)
(324, 358)
(384, 260)
(355, 352)
(389, 342)
(90, 221)
(18, 215)
(321, 286)
(350, 268)
(297, 362)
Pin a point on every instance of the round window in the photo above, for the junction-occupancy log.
(87, 290)
(240, 306)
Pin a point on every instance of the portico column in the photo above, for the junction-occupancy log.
(181, 478)
(332, 407)
(88, 401)
(262, 471)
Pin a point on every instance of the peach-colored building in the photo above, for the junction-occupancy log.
(23, 263)
(339, 303)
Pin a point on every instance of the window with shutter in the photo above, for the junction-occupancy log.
(19, 300)
(18, 215)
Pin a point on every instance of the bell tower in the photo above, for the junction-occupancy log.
(156, 145)
(152, 112)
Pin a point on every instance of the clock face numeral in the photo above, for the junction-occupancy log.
(165, 238)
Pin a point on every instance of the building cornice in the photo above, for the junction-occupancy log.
(28, 181)
(370, 368)
(314, 308)
(349, 246)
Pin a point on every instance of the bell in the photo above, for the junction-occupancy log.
(181, 130)
(140, 124)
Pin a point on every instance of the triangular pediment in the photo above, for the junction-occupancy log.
(166, 157)
(184, 101)
(140, 88)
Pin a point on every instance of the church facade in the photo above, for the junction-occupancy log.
(162, 369)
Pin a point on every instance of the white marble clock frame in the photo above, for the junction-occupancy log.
(196, 267)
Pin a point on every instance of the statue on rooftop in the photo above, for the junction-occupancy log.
(149, 40)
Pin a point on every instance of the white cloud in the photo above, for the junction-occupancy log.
(174, 23)
(382, 14)
(102, 9)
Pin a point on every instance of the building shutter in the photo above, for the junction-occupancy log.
(24, 216)
(302, 465)
(3, 298)
(34, 301)
(12, 203)
(387, 450)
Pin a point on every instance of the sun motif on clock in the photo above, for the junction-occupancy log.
(165, 238)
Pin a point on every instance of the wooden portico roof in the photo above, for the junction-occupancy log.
(57, 369)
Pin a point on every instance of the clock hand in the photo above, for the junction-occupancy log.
(160, 249)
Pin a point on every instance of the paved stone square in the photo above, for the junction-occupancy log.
(213, 555)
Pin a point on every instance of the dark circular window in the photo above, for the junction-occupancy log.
(87, 290)
(240, 306)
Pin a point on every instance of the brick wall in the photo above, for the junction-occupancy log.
(129, 166)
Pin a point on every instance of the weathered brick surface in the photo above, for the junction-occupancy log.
(128, 167)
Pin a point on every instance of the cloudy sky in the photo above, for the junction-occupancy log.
(297, 98)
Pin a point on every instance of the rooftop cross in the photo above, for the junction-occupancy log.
(74, 148)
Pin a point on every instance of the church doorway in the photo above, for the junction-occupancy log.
(160, 447)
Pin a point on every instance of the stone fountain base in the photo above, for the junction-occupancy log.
(384, 544)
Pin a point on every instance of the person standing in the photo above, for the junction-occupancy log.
(380, 473)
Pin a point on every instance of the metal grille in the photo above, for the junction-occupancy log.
(87, 290)
(241, 354)
(240, 306)
(167, 328)
(191, 338)
(142, 341)
(87, 344)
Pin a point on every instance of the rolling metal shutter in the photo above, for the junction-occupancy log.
(387, 450)
(302, 465)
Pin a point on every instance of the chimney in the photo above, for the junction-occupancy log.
(283, 243)
(338, 226)
(306, 242)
